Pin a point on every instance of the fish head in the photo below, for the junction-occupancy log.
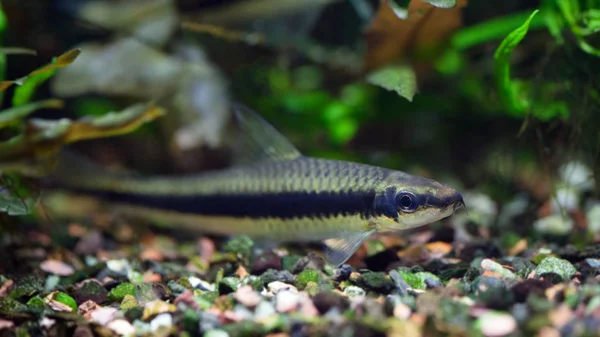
(406, 201)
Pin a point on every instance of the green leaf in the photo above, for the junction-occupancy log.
(14, 205)
(15, 114)
(3, 25)
(17, 51)
(399, 78)
(591, 19)
(24, 93)
(67, 300)
(59, 62)
(494, 29)
(442, 3)
(502, 69)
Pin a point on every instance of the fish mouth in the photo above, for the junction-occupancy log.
(453, 199)
(456, 201)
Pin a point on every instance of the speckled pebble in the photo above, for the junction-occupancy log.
(277, 286)
(353, 291)
(342, 273)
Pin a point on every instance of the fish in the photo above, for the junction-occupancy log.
(273, 193)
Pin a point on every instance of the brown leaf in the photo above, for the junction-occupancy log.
(439, 247)
(86, 308)
(391, 39)
(518, 248)
(58, 306)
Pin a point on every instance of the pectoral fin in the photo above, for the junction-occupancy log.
(340, 249)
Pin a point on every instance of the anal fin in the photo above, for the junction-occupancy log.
(340, 249)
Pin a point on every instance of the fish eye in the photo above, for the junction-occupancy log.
(406, 202)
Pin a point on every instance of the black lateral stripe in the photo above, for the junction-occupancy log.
(281, 205)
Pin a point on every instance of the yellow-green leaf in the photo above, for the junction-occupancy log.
(60, 62)
(398, 78)
(43, 138)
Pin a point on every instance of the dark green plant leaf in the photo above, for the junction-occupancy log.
(502, 71)
(496, 28)
(398, 78)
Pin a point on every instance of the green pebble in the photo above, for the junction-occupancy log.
(67, 300)
(129, 302)
(178, 287)
(119, 292)
(27, 286)
(377, 282)
(312, 288)
(288, 262)
(562, 268)
(309, 275)
(189, 321)
(228, 285)
(36, 302)
(241, 246)
(209, 296)
(417, 280)
(254, 281)
(8, 304)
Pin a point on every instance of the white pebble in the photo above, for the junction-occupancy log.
(119, 266)
(287, 301)
(578, 175)
(567, 198)
(554, 224)
(161, 320)
(57, 267)
(247, 296)
(264, 309)
(494, 324)
(121, 327)
(103, 316)
(401, 311)
(593, 218)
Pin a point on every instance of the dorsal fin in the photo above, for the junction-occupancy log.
(259, 140)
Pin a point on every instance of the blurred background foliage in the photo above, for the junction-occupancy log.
(493, 97)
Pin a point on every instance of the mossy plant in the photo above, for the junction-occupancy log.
(308, 275)
(119, 292)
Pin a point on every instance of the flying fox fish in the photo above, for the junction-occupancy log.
(274, 193)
